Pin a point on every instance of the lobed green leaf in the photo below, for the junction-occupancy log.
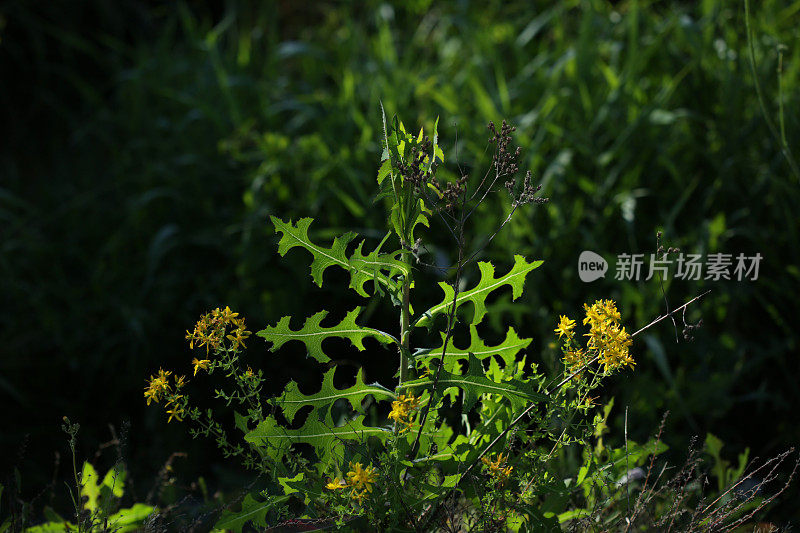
(477, 295)
(506, 350)
(293, 400)
(375, 266)
(276, 440)
(313, 333)
(474, 383)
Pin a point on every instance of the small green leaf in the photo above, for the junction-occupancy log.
(287, 482)
(582, 474)
(380, 268)
(384, 170)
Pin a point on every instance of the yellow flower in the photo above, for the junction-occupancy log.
(565, 327)
(239, 335)
(225, 315)
(361, 478)
(249, 373)
(176, 413)
(151, 395)
(200, 363)
(157, 386)
(180, 381)
(208, 331)
(336, 484)
(497, 468)
(402, 410)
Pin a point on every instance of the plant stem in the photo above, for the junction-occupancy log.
(405, 315)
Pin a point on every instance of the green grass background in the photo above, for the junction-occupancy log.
(145, 144)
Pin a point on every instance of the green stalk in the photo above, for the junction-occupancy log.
(405, 316)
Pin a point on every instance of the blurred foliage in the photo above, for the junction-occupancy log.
(145, 144)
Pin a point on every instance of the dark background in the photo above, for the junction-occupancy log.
(145, 144)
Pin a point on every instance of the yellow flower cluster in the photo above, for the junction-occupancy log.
(158, 385)
(210, 331)
(403, 410)
(606, 337)
(158, 388)
(359, 479)
(498, 468)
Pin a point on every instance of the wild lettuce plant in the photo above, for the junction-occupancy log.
(473, 434)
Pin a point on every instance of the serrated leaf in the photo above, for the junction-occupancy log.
(375, 266)
(293, 400)
(474, 383)
(275, 440)
(507, 350)
(477, 295)
(240, 421)
(294, 236)
(419, 215)
(431, 492)
(380, 268)
(89, 486)
(312, 333)
(114, 481)
(130, 519)
(437, 151)
(252, 511)
(101, 494)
